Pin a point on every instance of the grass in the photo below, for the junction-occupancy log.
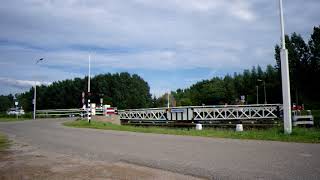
(11, 119)
(8, 118)
(316, 115)
(274, 134)
(4, 142)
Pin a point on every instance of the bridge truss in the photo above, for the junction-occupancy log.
(202, 114)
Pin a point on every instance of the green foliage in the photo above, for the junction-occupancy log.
(160, 102)
(273, 134)
(121, 90)
(316, 116)
(228, 90)
(304, 65)
(6, 102)
(7, 118)
(304, 68)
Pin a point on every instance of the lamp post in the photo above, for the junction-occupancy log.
(89, 104)
(168, 100)
(257, 87)
(35, 94)
(285, 78)
(264, 89)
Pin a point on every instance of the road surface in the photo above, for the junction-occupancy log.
(213, 158)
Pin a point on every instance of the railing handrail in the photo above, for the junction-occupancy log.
(206, 106)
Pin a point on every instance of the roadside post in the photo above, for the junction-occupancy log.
(101, 102)
(16, 104)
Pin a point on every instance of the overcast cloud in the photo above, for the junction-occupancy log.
(170, 43)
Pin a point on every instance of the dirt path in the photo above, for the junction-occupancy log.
(23, 161)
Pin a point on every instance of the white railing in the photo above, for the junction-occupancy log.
(237, 112)
(204, 113)
(144, 114)
(59, 112)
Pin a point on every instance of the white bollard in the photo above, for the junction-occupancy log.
(199, 127)
(239, 128)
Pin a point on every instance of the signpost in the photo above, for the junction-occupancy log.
(177, 110)
(243, 99)
(16, 103)
(101, 102)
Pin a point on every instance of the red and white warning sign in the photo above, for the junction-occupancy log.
(109, 110)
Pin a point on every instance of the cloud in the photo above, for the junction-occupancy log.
(236, 8)
(21, 83)
(138, 35)
(242, 10)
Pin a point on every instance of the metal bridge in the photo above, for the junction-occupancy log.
(258, 114)
(67, 112)
(226, 114)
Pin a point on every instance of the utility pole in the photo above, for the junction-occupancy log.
(285, 78)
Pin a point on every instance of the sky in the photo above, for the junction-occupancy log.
(169, 43)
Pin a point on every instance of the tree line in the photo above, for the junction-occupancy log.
(229, 89)
(124, 90)
(304, 70)
(121, 90)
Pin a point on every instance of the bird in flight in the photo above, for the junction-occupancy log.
(39, 60)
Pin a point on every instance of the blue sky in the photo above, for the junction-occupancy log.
(170, 43)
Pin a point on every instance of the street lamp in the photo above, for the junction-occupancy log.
(168, 101)
(35, 93)
(257, 87)
(264, 89)
(285, 78)
(89, 94)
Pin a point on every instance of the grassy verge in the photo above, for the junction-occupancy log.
(7, 118)
(316, 115)
(274, 134)
(4, 142)
(3, 119)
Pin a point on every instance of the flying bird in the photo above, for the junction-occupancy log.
(39, 60)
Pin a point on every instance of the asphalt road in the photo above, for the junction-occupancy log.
(213, 158)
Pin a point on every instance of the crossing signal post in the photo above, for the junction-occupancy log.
(89, 108)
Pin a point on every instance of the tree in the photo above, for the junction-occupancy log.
(122, 90)
(304, 67)
(6, 102)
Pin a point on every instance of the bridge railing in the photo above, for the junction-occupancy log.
(204, 113)
(67, 112)
(59, 112)
(144, 114)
